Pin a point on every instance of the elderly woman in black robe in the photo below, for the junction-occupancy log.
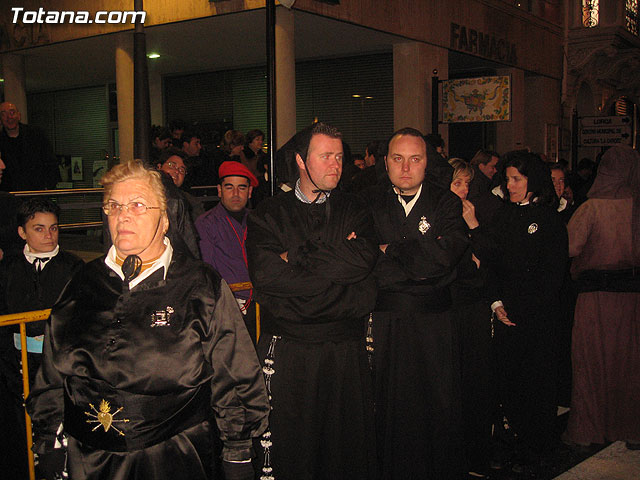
(144, 347)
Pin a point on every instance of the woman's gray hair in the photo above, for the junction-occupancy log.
(135, 169)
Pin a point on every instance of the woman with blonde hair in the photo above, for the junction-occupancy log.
(474, 330)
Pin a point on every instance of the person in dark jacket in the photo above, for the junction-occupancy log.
(311, 252)
(10, 242)
(223, 234)
(527, 252)
(473, 320)
(486, 204)
(421, 235)
(373, 168)
(31, 280)
(27, 153)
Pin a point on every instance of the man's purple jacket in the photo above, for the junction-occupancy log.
(223, 247)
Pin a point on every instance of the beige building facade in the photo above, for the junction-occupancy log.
(558, 67)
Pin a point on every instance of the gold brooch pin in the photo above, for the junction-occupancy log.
(162, 318)
(533, 228)
(104, 417)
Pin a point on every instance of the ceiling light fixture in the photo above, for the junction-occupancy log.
(153, 55)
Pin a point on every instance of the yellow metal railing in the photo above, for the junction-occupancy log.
(96, 202)
(23, 318)
(238, 287)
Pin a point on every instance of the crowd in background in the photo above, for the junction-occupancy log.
(545, 289)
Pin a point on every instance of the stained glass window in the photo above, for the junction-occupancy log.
(631, 14)
(591, 13)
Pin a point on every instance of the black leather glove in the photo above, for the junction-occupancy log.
(238, 471)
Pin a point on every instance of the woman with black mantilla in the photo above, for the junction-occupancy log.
(527, 252)
(145, 345)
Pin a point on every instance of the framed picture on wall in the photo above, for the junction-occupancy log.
(100, 167)
(76, 169)
(479, 99)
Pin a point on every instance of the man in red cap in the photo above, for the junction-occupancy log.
(223, 231)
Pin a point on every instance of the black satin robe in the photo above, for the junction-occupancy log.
(314, 311)
(417, 374)
(23, 289)
(171, 353)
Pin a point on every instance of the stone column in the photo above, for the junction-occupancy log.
(511, 135)
(155, 98)
(542, 107)
(413, 66)
(285, 76)
(124, 89)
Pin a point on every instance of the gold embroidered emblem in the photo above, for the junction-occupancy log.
(533, 228)
(162, 318)
(104, 417)
(423, 225)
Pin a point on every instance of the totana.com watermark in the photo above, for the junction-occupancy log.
(54, 16)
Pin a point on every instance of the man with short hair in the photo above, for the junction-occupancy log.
(27, 154)
(371, 152)
(422, 236)
(437, 142)
(176, 127)
(311, 253)
(582, 179)
(202, 167)
(358, 161)
(191, 144)
(160, 140)
(484, 164)
(223, 231)
(369, 175)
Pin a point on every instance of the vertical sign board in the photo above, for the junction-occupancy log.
(605, 131)
(551, 142)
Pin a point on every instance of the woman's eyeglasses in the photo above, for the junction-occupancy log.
(135, 208)
(175, 166)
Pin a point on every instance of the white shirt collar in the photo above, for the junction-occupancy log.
(162, 262)
(563, 204)
(45, 256)
(408, 205)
